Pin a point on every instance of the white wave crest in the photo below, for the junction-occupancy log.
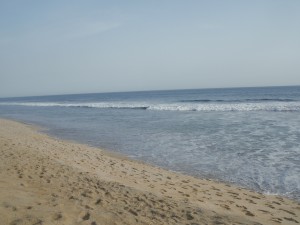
(222, 107)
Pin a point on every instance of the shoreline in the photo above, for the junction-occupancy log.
(116, 154)
(72, 183)
(121, 156)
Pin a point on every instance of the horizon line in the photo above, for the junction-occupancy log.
(152, 90)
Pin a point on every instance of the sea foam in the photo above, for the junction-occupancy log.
(274, 106)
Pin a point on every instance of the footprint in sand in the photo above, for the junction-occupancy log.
(98, 202)
(27, 220)
(251, 201)
(277, 220)
(289, 212)
(290, 219)
(225, 206)
(264, 211)
(84, 216)
(58, 216)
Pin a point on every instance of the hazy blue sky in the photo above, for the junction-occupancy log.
(58, 47)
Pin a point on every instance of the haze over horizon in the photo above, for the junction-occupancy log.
(64, 47)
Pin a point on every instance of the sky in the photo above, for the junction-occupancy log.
(64, 47)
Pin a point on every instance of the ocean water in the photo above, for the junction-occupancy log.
(246, 136)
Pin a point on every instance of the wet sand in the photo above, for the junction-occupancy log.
(44, 180)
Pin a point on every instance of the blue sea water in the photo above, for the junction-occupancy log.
(247, 136)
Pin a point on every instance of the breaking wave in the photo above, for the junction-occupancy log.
(274, 106)
(240, 100)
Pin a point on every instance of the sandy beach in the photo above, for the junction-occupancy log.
(44, 180)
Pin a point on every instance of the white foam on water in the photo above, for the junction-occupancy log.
(208, 107)
(101, 105)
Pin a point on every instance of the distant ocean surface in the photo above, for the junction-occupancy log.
(246, 136)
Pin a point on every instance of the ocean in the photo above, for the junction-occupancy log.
(246, 136)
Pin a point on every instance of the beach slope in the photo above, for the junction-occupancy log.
(44, 180)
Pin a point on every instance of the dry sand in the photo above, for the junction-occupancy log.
(48, 181)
